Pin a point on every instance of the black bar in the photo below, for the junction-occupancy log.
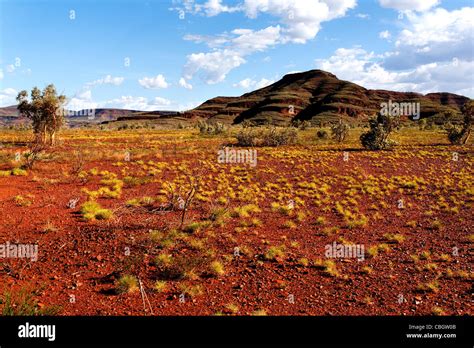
(289, 331)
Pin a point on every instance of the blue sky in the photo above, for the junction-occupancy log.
(173, 55)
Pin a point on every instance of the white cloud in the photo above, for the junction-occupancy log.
(438, 26)
(128, 102)
(153, 82)
(81, 100)
(158, 101)
(84, 95)
(248, 83)
(184, 84)
(301, 18)
(249, 41)
(434, 36)
(215, 7)
(299, 21)
(293, 72)
(409, 5)
(10, 68)
(107, 80)
(214, 65)
(210, 8)
(211, 41)
(363, 15)
(263, 83)
(365, 69)
(217, 64)
(245, 84)
(1, 74)
(8, 97)
(385, 35)
(137, 103)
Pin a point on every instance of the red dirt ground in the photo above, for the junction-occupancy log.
(85, 258)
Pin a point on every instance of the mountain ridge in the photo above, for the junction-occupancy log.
(318, 95)
(314, 95)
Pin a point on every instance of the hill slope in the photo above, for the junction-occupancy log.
(318, 96)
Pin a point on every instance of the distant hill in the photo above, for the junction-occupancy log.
(318, 96)
(9, 111)
(9, 115)
(314, 95)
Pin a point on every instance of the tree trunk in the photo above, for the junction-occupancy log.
(465, 137)
(52, 138)
(43, 136)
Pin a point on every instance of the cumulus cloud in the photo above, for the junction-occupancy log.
(385, 35)
(434, 36)
(365, 69)
(158, 81)
(10, 68)
(214, 66)
(1, 74)
(249, 83)
(409, 5)
(81, 100)
(299, 21)
(301, 18)
(137, 103)
(107, 80)
(8, 96)
(84, 100)
(183, 83)
(215, 7)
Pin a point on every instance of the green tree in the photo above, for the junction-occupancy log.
(380, 128)
(45, 110)
(339, 131)
(460, 136)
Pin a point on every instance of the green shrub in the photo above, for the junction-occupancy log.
(322, 134)
(380, 128)
(207, 128)
(269, 136)
(340, 131)
(460, 135)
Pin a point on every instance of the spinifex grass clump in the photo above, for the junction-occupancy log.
(19, 172)
(93, 211)
(217, 268)
(275, 252)
(127, 284)
(22, 302)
